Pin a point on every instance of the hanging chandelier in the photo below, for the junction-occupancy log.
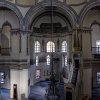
(52, 93)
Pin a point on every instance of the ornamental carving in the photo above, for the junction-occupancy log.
(47, 28)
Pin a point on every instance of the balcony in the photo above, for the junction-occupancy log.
(4, 51)
(96, 52)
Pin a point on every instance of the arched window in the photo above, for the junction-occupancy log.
(50, 46)
(48, 60)
(37, 60)
(37, 46)
(64, 46)
(1, 77)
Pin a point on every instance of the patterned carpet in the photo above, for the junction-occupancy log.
(5, 93)
(38, 91)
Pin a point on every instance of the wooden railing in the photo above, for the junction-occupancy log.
(4, 51)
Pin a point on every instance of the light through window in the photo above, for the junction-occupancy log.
(65, 60)
(1, 77)
(38, 73)
(50, 46)
(48, 60)
(98, 77)
(98, 46)
(64, 46)
(37, 47)
(37, 60)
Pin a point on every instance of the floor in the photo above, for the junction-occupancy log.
(37, 92)
(96, 94)
(5, 93)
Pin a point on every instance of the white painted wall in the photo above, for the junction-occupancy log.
(87, 80)
(24, 82)
(31, 73)
(23, 46)
(90, 17)
(19, 77)
(14, 79)
(26, 2)
(74, 1)
(10, 17)
(86, 46)
(33, 68)
(15, 48)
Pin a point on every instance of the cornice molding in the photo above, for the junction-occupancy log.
(89, 63)
(19, 31)
(15, 64)
(19, 67)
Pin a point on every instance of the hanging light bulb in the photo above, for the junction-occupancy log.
(52, 93)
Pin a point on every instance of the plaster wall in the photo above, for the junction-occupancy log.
(9, 16)
(86, 46)
(90, 17)
(14, 79)
(15, 47)
(19, 77)
(87, 79)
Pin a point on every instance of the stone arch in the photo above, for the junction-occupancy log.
(85, 9)
(14, 9)
(47, 3)
(7, 24)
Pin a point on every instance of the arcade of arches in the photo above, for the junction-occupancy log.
(31, 32)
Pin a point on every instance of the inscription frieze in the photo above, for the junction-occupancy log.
(47, 28)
